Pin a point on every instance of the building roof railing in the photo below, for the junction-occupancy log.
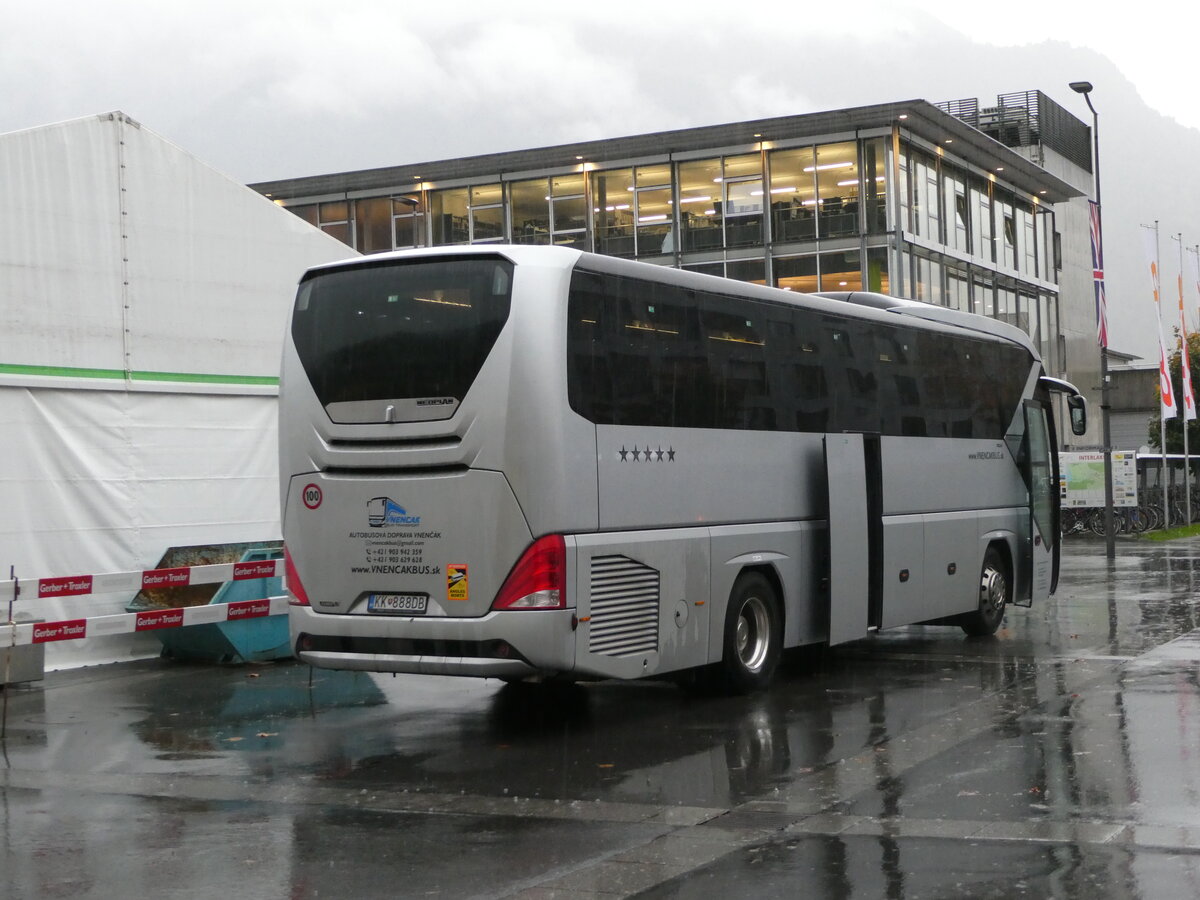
(1028, 119)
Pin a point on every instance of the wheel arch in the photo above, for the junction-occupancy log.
(773, 577)
(1005, 543)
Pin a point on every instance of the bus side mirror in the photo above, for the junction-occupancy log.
(1078, 409)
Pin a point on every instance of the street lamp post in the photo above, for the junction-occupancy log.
(1110, 544)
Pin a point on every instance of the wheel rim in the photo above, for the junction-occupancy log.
(753, 633)
(993, 591)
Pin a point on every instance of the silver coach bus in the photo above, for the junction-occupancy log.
(532, 462)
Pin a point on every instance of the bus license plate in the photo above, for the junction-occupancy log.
(398, 604)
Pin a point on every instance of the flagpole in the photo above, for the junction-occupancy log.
(1162, 415)
(1186, 394)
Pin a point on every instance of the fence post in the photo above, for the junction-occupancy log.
(12, 643)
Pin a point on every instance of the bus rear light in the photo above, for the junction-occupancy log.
(297, 596)
(538, 580)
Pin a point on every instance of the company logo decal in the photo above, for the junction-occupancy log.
(384, 511)
(159, 618)
(158, 578)
(71, 586)
(254, 569)
(59, 631)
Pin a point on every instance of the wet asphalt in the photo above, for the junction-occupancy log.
(1059, 759)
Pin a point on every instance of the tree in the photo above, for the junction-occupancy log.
(1175, 425)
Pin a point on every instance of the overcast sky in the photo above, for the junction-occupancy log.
(265, 89)
(270, 89)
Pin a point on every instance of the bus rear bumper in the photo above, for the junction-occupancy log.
(498, 645)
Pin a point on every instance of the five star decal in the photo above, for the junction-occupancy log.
(646, 454)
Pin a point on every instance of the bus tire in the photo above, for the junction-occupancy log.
(994, 586)
(753, 634)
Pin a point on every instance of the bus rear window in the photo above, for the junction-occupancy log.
(400, 341)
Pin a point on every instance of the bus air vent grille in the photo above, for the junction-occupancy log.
(625, 598)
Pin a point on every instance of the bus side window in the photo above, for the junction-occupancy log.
(853, 376)
(808, 386)
(589, 377)
(735, 347)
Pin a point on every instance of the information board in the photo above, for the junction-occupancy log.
(1082, 482)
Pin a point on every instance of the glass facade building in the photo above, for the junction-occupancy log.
(905, 199)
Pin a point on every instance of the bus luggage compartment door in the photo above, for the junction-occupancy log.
(849, 537)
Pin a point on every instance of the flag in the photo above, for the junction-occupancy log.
(1165, 389)
(1189, 396)
(1098, 275)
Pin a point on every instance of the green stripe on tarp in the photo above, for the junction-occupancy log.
(119, 375)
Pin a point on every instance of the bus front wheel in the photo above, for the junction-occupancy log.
(753, 634)
(994, 585)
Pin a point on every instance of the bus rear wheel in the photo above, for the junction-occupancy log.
(994, 585)
(753, 634)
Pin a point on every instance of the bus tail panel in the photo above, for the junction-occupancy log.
(429, 546)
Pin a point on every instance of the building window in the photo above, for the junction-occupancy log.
(837, 171)
(981, 221)
(487, 213)
(796, 273)
(530, 211)
(793, 196)
(549, 211)
(873, 186)
(1027, 241)
(1006, 231)
(742, 190)
(983, 297)
(926, 210)
(816, 192)
(451, 223)
(958, 289)
(408, 221)
(954, 193)
(612, 211)
(714, 268)
(373, 224)
(877, 270)
(332, 218)
(1048, 325)
(700, 206)
(841, 271)
(472, 215)
(1027, 311)
(752, 270)
(926, 279)
(720, 203)
(653, 209)
(568, 211)
(1006, 304)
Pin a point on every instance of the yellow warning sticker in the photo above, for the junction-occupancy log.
(456, 582)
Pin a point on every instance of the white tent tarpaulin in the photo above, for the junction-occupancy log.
(144, 299)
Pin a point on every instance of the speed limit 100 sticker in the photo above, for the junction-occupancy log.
(312, 496)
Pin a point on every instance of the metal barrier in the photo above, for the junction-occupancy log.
(148, 620)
